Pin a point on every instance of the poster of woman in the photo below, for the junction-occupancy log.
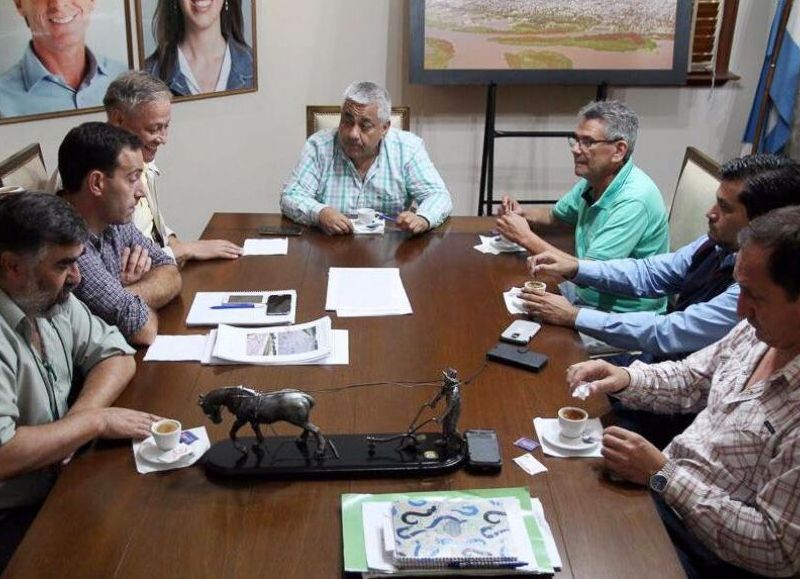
(58, 58)
(199, 47)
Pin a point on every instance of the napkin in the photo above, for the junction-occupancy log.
(487, 245)
(360, 229)
(513, 304)
(198, 447)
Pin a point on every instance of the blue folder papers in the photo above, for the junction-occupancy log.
(370, 547)
(431, 533)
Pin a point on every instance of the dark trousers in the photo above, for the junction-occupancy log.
(659, 429)
(14, 524)
(698, 561)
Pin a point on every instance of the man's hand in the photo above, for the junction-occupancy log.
(554, 263)
(413, 223)
(134, 263)
(551, 308)
(630, 455)
(509, 205)
(213, 249)
(603, 378)
(125, 423)
(334, 223)
(515, 228)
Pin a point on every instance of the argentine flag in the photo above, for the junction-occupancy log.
(782, 93)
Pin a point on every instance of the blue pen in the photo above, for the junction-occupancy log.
(235, 306)
(386, 217)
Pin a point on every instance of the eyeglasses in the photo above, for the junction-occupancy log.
(587, 143)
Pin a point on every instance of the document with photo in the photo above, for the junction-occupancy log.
(274, 345)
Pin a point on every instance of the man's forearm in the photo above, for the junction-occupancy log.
(540, 216)
(158, 286)
(35, 447)
(104, 383)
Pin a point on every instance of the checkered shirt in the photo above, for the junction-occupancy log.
(100, 286)
(401, 174)
(737, 478)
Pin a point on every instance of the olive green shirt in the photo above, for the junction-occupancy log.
(628, 220)
(34, 389)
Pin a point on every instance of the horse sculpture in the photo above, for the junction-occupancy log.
(259, 408)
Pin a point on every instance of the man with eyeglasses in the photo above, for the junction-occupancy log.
(615, 209)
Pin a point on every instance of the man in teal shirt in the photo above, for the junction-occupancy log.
(47, 339)
(615, 210)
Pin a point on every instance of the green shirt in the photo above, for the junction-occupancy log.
(34, 393)
(629, 220)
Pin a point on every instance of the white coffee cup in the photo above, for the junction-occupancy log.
(572, 421)
(366, 216)
(166, 433)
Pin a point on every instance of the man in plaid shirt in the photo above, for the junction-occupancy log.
(365, 164)
(125, 276)
(728, 488)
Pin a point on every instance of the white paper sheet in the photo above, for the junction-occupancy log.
(547, 534)
(366, 291)
(274, 246)
(177, 348)
(529, 464)
(274, 345)
(201, 313)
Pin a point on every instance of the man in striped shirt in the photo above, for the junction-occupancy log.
(728, 488)
(365, 164)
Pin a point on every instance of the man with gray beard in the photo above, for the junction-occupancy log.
(47, 340)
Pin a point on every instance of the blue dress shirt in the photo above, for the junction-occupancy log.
(28, 88)
(689, 330)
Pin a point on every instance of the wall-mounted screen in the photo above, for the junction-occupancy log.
(550, 41)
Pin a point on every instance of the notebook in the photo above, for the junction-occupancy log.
(472, 533)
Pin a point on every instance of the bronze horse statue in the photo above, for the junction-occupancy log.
(257, 408)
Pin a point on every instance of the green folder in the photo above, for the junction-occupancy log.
(355, 556)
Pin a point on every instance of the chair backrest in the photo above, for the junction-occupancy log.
(694, 196)
(327, 117)
(24, 169)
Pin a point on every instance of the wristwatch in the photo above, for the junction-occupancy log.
(659, 480)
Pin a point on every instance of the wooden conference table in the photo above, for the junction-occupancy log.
(103, 519)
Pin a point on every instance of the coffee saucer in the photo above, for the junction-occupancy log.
(151, 453)
(552, 436)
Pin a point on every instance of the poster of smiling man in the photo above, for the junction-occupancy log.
(199, 47)
(58, 58)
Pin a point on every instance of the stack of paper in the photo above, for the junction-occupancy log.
(366, 291)
(371, 544)
(203, 348)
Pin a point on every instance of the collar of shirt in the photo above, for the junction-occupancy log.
(33, 71)
(152, 168)
(10, 311)
(613, 188)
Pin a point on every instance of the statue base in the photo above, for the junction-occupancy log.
(286, 457)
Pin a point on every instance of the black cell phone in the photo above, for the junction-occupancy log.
(483, 450)
(277, 230)
(279, 304)
(518, 356)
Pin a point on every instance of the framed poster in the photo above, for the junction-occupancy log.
(199, 48)
(550, 41)
(58, 58)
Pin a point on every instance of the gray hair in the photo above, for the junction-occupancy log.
(133, 88)
(620, 121)
(367, 93)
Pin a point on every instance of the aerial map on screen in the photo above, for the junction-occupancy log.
(549, 34)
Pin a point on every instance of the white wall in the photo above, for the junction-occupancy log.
(234, 153)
